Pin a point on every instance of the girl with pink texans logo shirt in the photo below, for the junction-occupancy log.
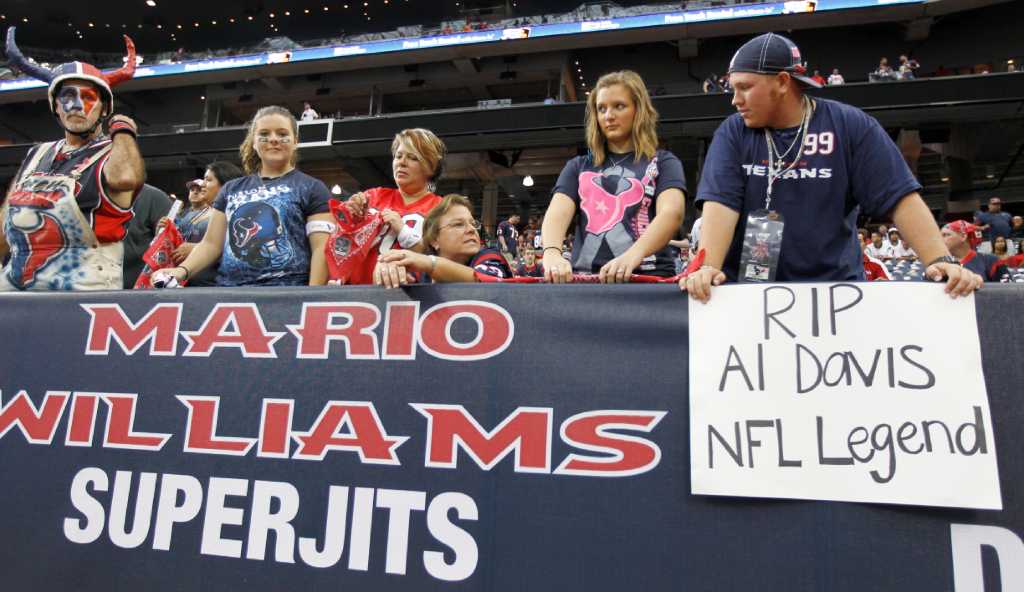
(629, 194)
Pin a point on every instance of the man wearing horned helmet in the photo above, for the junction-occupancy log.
(69, 205)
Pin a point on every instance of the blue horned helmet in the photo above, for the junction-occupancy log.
(258, 237)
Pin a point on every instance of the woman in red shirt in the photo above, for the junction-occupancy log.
(417, 162)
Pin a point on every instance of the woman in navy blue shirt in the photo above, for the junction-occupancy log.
(629, 194)
(260, 223)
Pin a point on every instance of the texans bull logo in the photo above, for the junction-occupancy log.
(37, 239)
(603, 205)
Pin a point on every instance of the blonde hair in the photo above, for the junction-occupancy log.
(645, 120)
(427, 147)
(247, 151)
(432, 224)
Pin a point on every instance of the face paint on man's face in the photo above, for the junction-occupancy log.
(78, 99)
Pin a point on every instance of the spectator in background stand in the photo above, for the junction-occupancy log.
(892, 237)
(884, 71)
(150, 207)
(908, 67)
(711, 84)
(308, 113)
(877, 249)
(995, 222)
(1017, 227)
(961, 239)
(627, 192)
(195, 191)
(508, 237)
(898, 248)
(530, 267)
(835, 78)
(864, 237)
(1000, 247)
(817, 77)
(193, 222)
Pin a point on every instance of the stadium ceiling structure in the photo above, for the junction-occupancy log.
(195, 25)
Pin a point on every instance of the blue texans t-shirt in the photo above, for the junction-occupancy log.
(848, 164)
(617, 202)
(266, 242)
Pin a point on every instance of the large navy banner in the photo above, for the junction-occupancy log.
(437, 438)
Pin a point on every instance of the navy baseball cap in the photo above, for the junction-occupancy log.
(771, 54)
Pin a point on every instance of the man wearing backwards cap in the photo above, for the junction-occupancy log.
(815, 164)
(962, 238)
(70, 203)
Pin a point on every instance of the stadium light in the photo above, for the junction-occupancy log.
(527, 181)
(336, 189)
(151, 3)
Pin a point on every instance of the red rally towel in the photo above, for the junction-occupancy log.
(159, 255)
(350, 243)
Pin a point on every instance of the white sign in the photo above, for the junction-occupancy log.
(853, 392)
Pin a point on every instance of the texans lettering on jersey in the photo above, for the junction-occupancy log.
(847, 164)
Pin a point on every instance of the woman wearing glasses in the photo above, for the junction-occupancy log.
(451, 238)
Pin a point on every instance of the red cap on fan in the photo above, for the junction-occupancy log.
(970, 231)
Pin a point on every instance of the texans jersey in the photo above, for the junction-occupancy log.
(616, 203)
(989, 267)
(846, 165)
(413, 215)
(488, 265)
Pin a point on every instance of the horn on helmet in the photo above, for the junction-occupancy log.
(126, 71)
(21, 63)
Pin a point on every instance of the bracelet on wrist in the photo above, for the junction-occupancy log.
(944, 259)
(433, 263)
(188, 273)
(122, 127)
(559, 249)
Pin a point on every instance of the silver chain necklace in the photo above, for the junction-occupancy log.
(622, 160)
(776, 161)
